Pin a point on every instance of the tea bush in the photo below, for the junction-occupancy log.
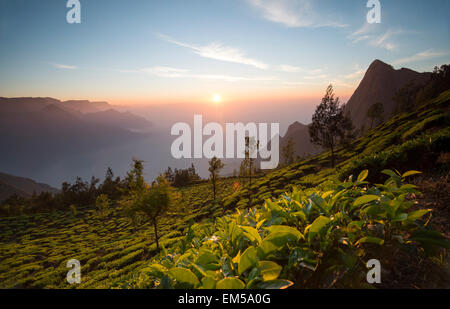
(319, 237)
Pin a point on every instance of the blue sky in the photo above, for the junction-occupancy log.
(145, 51)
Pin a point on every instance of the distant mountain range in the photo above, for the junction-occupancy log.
(24, 187)
(380, 84)
(40, 137)
(27, 104)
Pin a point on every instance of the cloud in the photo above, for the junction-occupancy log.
(63, 66)
(383, 40)
(169, 72)
(291, 13)
(369, 32)
(295, 69)
(220, 52)
(428, 54)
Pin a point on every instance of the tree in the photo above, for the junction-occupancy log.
(215, 165)
(330, 126)
(143, 200)
(405, 99)
(102, 204)
(375, 113)
(251, 148)
(110, 186)
(288, 151)
(243, 170)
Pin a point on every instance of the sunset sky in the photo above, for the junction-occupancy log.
(140, 51)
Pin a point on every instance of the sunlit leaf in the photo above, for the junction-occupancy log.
(230, 284)
(247, 260)
(269, 270)
(365, 199)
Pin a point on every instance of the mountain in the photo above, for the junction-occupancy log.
(302, 144)
(124, 120)
(28, 104)
(380, 84)
(85, 106)
(17, 105)
(55, 144)
(23, 187)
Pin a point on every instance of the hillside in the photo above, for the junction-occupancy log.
(299, 133)
(23, 187)
(34, 249)
(380, 83)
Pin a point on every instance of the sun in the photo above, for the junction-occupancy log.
(217, 98)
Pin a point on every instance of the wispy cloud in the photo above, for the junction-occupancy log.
(291, 13)
(296, 69)
(355, 75)
(170, 72)
(428, 54)
(370, 34)
(63, 66)
(167, 72)
(218, 51)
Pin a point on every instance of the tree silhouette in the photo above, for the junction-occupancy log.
(330, 126)
(215, 165)
(375, 112)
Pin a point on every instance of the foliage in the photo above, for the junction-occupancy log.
(329, 125)
(375, 113)
(102, 204)
(215, 166)
(143, 200)
(181, 177)
(320, 237)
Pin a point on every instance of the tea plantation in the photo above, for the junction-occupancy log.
(302, 226)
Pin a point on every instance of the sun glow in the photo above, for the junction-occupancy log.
(217, 98)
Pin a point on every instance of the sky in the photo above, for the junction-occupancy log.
(157, 52)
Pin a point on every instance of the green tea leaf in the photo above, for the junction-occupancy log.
(230, 284)
(185, 279)
(363, 175)
(275, 284)
(251, 233)
(365, 199)
(248, 260)
(370, 239)
(410, 173)
(318, 224)
(414, 215)
(269, 270)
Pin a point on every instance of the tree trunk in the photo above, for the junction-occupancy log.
(250, 173)
(155, 225)
(332, 156)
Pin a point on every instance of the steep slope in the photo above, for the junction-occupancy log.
(24, 187)
(408, 141)
(380, 83)
(300, 135)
